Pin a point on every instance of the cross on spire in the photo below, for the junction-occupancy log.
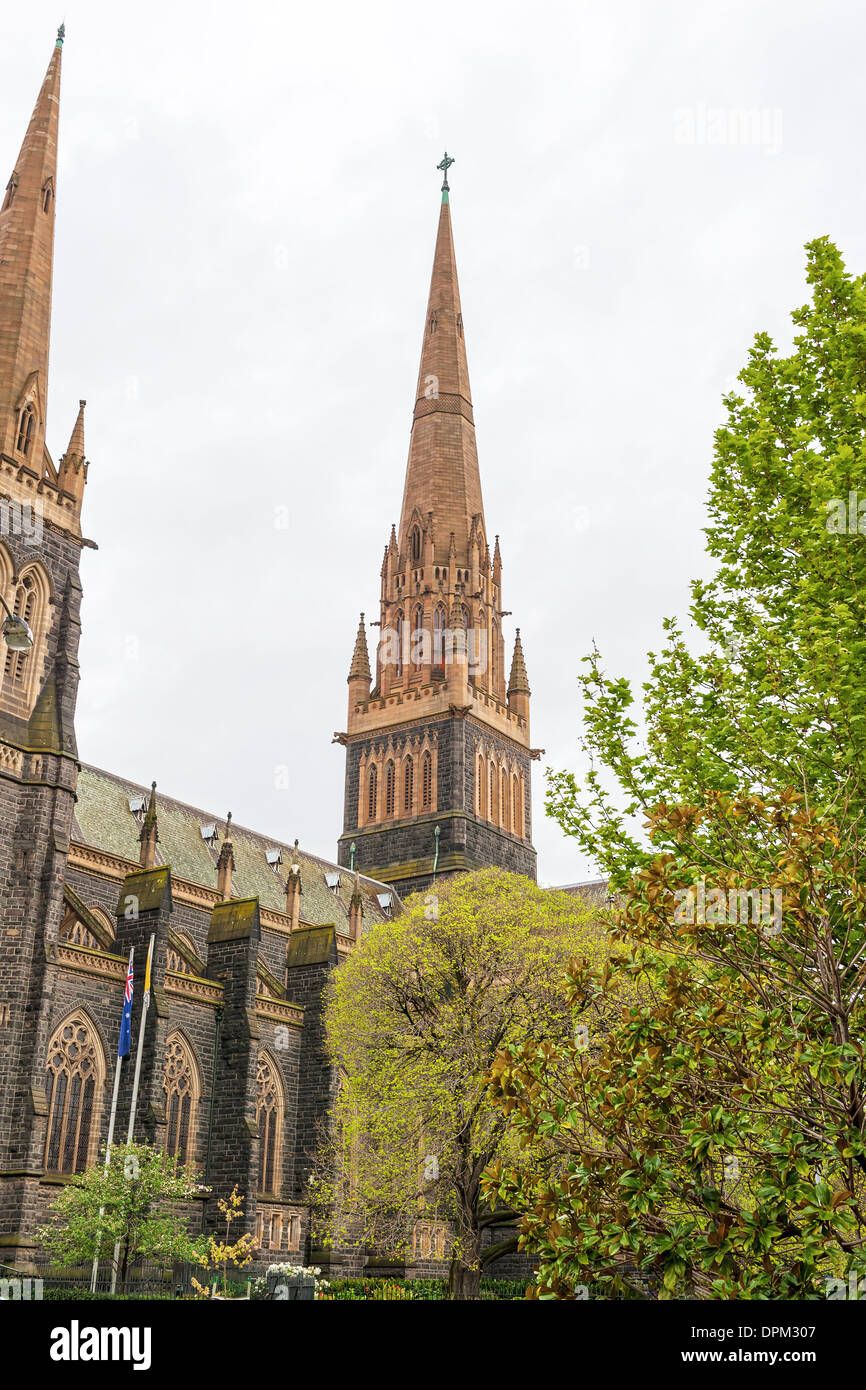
(445, 166)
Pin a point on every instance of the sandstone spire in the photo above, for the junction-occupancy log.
(26, 255)
(442, 472)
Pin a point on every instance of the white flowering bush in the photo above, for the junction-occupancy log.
(260, 1286)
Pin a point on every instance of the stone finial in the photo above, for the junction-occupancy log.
(294, 889)
(356, 909)
(226, 863)
(149, 834)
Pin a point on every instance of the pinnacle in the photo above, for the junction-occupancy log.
(75, 449)
(360, 667)
(518, 682)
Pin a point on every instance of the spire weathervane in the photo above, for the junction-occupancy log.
(61, 35)
(445, 166)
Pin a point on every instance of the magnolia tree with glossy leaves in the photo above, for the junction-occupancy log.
(713, 1142)
(414, 1021)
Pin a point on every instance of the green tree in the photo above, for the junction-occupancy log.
(714, 1139)
(711, 1144)
(414, 1021)
(129, 1202)
(772, 696)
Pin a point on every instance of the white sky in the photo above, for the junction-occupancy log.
(246, 216)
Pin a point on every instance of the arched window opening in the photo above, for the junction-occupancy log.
(480, 778)
(29, 601)
(389, 788)
(408, 786)
(426, 781)
(372, 792)
(26, 426)
(47, 195)
(181, 1085)
(75, 1076)
(439, 639)
(415, 541)
(399, 626)
(270, 1110)
(494, 799)
(417, 638)
(494, 658)
(506, 801)
(516, 805)
(24, 607)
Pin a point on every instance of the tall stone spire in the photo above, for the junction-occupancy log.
(438, 760)
(26, 256)
(442, 472)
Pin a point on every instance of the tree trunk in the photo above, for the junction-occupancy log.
(464, 1276)
(464, 1282)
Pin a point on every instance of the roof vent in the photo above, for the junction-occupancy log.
(274, 857)
(333, 882)
(209, 833)
(386, 902)
(137, 804)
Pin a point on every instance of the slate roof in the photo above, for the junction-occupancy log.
(104, 821)
(595, 892)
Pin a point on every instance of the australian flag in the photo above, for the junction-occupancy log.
(126, 1018)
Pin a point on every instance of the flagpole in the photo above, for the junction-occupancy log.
(112, 1117)
(130, 1130)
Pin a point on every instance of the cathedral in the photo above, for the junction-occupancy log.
(246, 928)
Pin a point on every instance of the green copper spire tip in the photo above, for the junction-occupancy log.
(445, 166)
(61, 35)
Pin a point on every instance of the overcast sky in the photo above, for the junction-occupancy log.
(247, 204)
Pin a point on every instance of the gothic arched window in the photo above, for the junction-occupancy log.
(506, 801)
(389, 788)
(494, 799)
(270, 1110)
(399, 626)
(408, 786)
(516, 805)
(372, 792)
(480, 779)
(29, 601)
(439, 639)
(26, 426)
(182, 1088)
(75, 1077)
(426, 781)
(417, 637)
(415, 542)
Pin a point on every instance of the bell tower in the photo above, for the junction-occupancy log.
(40, 551)
(437, 741)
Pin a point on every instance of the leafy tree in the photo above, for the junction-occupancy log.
(712, 1143)
(714, 1139)
(414, 1021)
(128, 1203)
(219, 1254)
(774, 696)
